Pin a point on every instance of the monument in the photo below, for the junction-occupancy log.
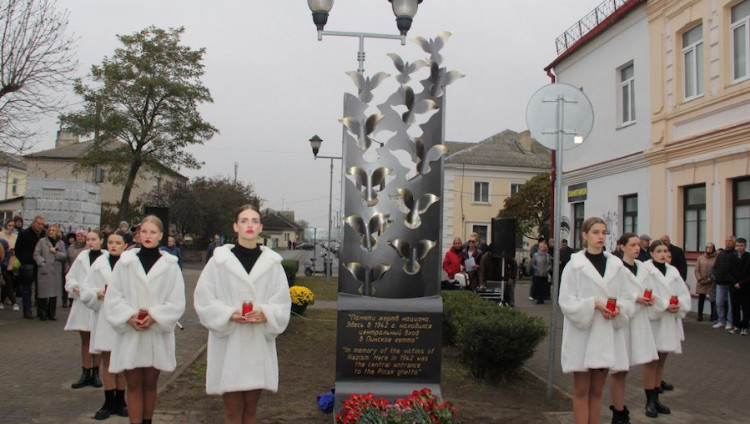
(389, 305)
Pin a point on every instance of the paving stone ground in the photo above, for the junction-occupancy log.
(40, 361)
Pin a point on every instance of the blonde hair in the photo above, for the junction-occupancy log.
(154, 220)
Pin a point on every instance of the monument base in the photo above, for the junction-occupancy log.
(388, 347)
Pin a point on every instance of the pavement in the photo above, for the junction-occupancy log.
(41, 361)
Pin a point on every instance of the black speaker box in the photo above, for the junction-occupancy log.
(503, 237)
(163, 214)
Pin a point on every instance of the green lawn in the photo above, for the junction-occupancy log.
(319, 287)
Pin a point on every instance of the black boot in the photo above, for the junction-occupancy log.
(651, 411)
(664, 386)
(83, 380)
(95, 380)
(106, 410)
(42, 309)
(620, 417)
(120, 407)
(146, 421)
(660, 407)
(52, 309)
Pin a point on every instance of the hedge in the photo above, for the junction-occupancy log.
(494, 342)
(291, 267)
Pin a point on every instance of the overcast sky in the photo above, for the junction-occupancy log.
(274, 84)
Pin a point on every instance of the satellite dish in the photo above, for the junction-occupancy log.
(542, 115)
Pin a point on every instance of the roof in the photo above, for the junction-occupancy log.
(77, 150)
(502, 150)
(599, 29)
(9, 159)
(273, 221)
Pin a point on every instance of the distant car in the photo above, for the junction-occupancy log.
(305, 246)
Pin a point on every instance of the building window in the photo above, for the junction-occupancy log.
(740, 40)
(578, 218)
(481, 192)
(482, 230)
(157, 182)
(692, 54)
(53, 193)
(514, 187)
(14, 186)
(627, 94)
(742, 207)
(695, 218)
(630, 214)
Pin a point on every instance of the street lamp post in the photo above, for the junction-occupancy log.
(404, 10)
(315, 142)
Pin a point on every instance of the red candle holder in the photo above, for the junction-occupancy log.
(611, 304)
(647, 293)
(247, 307)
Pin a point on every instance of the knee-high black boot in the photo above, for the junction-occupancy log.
(106, 410)
(650, 403)
(701, 303)
(120, 407)
(83, 380)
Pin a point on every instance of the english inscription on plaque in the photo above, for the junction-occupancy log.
(376, 344)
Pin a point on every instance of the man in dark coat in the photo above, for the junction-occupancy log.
(25, 245)
(739, 292)
(678, 257)
(644, 255)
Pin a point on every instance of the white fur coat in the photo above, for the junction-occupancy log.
(162, 293)
(641, 338)
(667, 326)
(242, 356)
(590, 341)
(102, 333)
(80, 316)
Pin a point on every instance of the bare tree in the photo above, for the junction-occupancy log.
(37, 60)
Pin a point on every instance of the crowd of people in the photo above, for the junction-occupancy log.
(126, 294)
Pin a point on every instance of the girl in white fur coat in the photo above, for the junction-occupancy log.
(642, 348)
(80, 317)
(666, 321)
(93, 290)
(594, 339)
(242, 356)
(144, 300)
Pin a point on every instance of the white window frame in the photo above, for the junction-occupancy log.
(626, 101)
(696, 49)
(517, 187)
(14, 186)
(744, 23)
(478, 195)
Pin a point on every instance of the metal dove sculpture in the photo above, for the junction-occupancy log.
(367, 275)
(412, 254)
(377, 224)
(369, 185)
(361, 132)
(413, 208)
(365, 85)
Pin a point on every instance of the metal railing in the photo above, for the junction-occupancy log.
(587, 23)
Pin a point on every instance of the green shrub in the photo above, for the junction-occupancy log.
(291, 267)
(496, 345)
(458, 306)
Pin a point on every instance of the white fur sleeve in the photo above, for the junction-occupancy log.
(213, 313)
(277, 308)
(168, 312)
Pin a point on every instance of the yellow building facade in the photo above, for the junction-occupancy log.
(700, 115)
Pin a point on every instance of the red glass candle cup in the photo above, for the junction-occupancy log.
(142, 314)
(647, 293)
(611, 304)
(674, 300)
(247, 307)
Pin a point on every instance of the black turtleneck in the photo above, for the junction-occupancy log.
(633, 268)
(599, 261)
(93, 254)
(113, 260)
(661, 267)
(148, 257)
(247, 257)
